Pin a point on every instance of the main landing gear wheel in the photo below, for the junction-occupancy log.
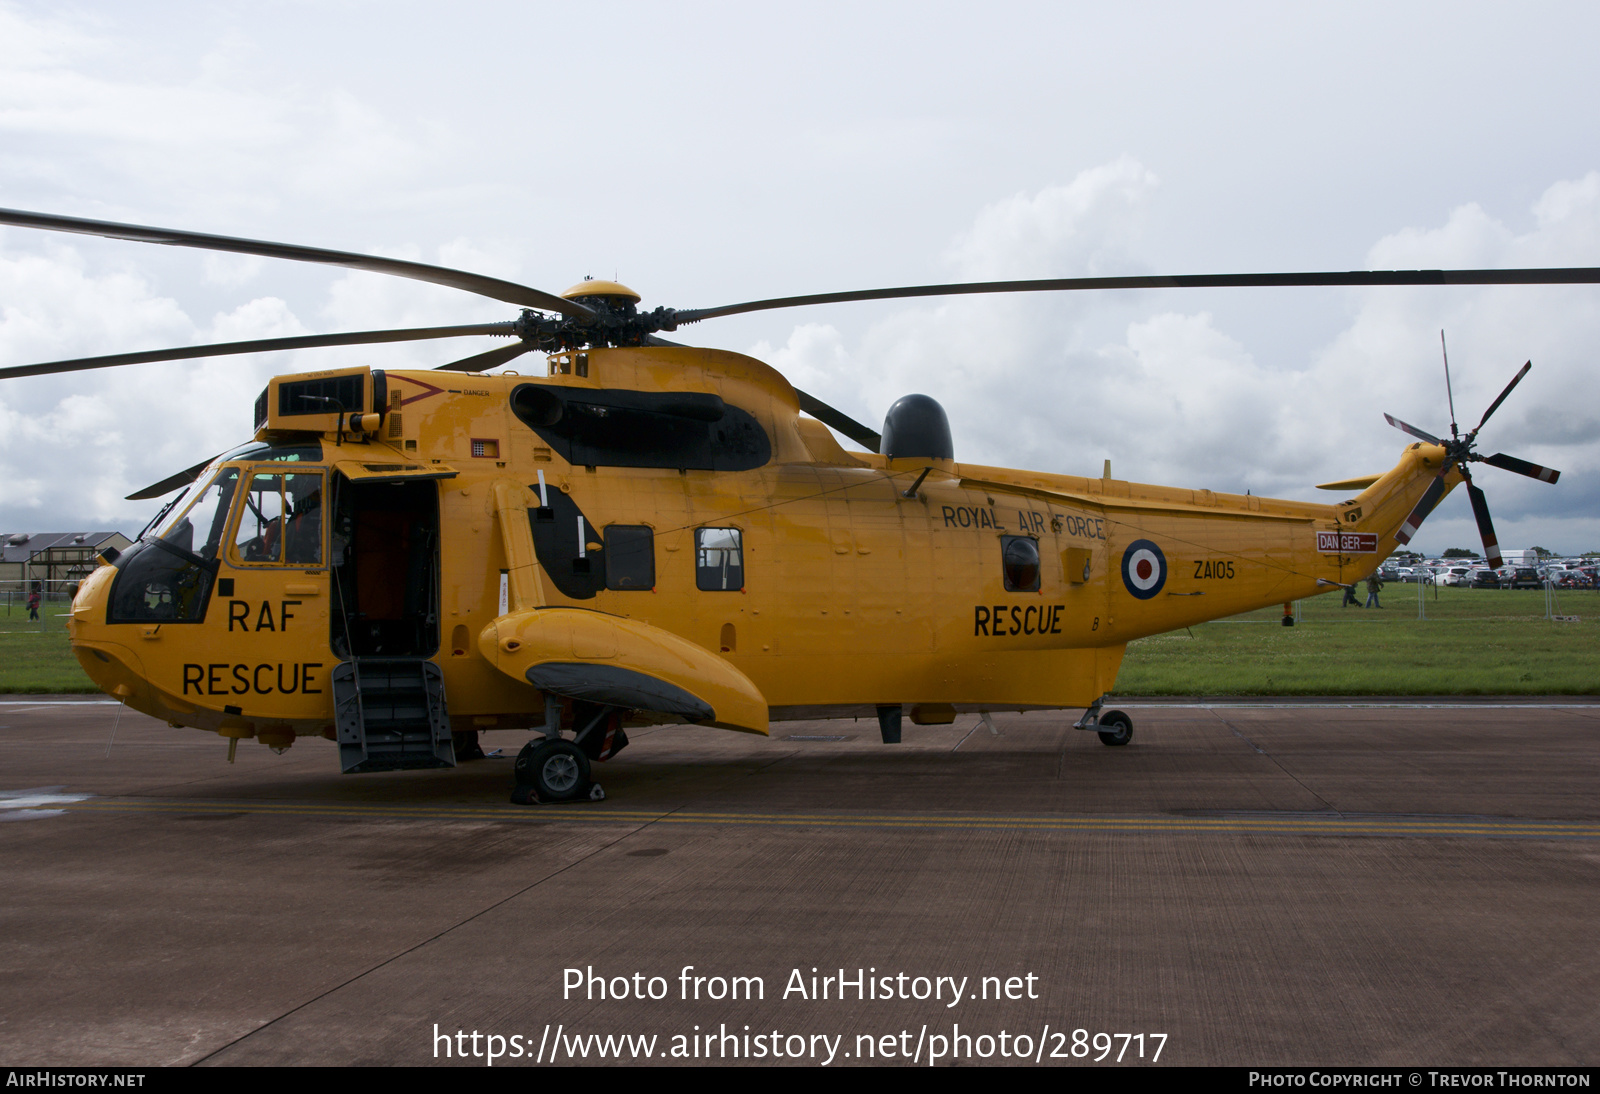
(1119, 728)
(557, 770)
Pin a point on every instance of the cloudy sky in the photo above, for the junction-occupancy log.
(711, 153)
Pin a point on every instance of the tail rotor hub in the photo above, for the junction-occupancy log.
(1459, 452)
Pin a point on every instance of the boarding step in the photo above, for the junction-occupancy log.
(390, 715)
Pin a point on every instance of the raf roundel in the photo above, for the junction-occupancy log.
(1144, 569)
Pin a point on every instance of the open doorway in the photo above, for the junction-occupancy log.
(385, 556)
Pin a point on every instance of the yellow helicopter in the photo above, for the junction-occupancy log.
(653, 533)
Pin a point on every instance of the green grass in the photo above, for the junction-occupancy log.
(35, 657)
(1473, 642)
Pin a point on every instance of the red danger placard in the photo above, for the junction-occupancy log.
(1347, 543)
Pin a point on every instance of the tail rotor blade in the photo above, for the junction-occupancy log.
(1448, 391)
(1411, 429)
(1515, 380)
(1430, 498)
(1480, 510)
(1521, 467)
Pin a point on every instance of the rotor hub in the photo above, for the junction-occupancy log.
(616, 321)
(612, 294)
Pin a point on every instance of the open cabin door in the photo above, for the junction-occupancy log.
(386, 559)
(388, 694)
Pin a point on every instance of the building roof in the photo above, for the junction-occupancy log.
(34, 542)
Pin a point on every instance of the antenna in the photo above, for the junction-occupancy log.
(1448, 393)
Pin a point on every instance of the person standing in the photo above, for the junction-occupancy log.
(1374, 583)
(33, 605)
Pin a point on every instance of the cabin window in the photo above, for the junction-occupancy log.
(630, 557)
(718, 560)
(1019, 556)
(571, 550)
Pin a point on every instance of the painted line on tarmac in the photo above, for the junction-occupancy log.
(1333, 824)
(1400, 705)
(1397, 704)
(59, 703)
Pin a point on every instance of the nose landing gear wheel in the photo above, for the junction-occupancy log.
(1119, 728)
(557, 770)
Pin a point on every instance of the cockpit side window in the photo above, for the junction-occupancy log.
(199, 527)
(259, 534)
(302, 533)
(167, 578)
(280, 521)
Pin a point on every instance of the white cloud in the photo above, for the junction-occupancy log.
(75, 444)
(814, 358)
(54, 307)
(230, 270)
(809, 169)
(1030, 382)
(1086, 228)
(211, 135)
(1470, 239)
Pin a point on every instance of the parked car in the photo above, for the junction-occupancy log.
(1485, 579)
(1527, 577)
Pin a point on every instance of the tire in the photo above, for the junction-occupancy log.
(557, 770)
(1122, 728)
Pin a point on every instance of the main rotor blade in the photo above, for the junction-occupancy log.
(1411, 429)
(1480, 510)
(259, 345)
(491, 287)
(483, 362)
(170, 483)
(839, 420)
(1521, 467)
(1430, 498)
(1581, 275)
(1515, 380)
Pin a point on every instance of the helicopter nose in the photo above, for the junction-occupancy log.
(89, 602)
(103, 651)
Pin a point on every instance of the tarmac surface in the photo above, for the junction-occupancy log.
(1250, 883)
